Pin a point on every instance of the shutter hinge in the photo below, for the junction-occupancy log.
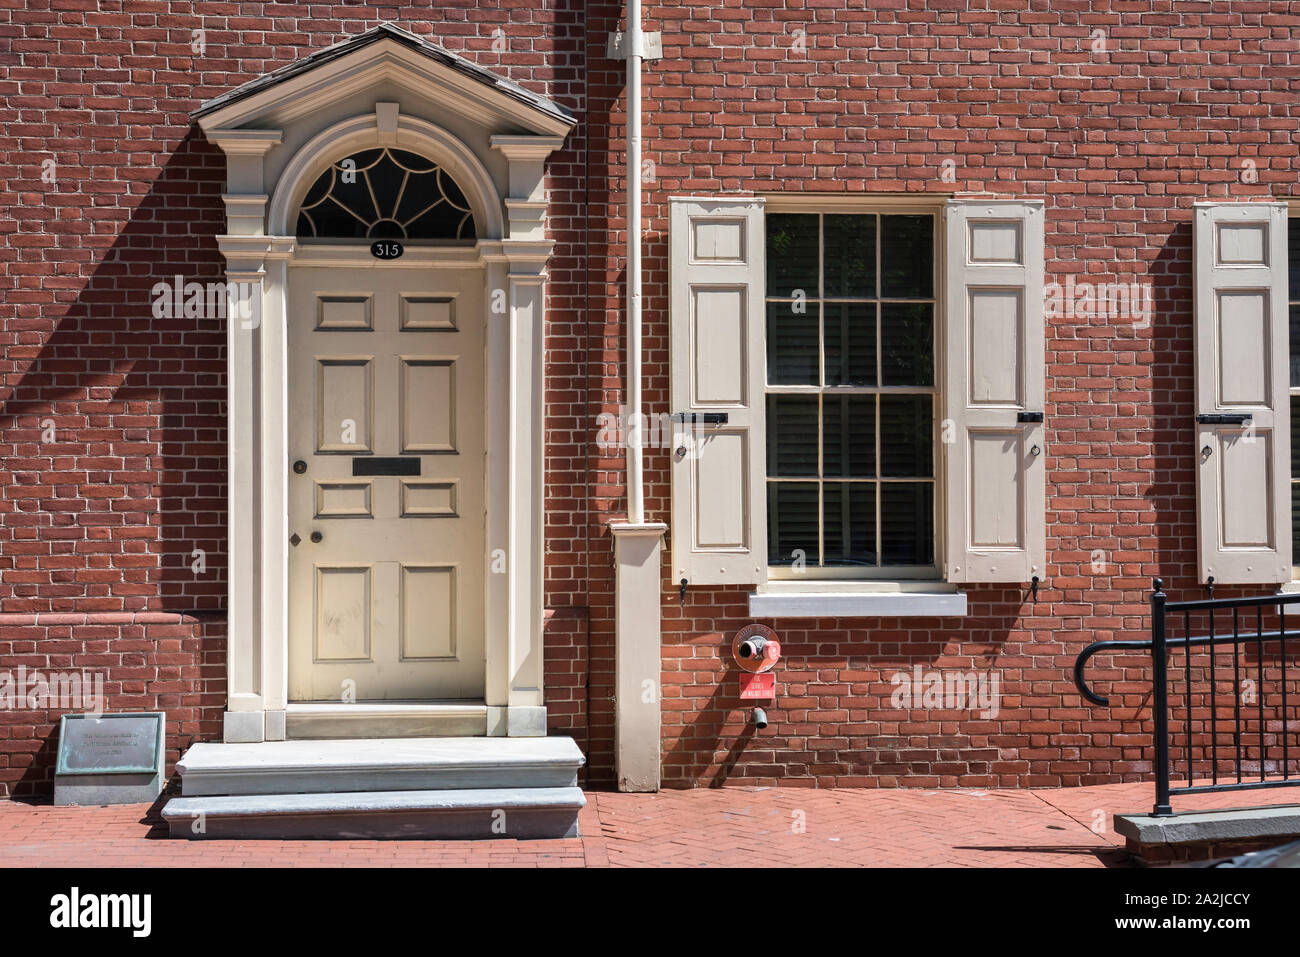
(1029, 417)
(1223, 418)
(707, 418)
(652, 45)
(683, 589)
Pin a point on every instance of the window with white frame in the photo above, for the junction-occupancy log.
(851, 392)
(820, 348)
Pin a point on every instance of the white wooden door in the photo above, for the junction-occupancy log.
(386, 485)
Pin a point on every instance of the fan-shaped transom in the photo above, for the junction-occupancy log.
(385, 194)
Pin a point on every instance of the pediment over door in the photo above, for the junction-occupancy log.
(385, 52)
(383, 88)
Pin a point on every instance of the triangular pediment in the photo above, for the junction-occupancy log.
(385, 53)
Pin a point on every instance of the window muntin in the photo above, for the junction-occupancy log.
(385, 194)
(851, 393)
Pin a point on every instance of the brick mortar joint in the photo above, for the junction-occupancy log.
(52, 618)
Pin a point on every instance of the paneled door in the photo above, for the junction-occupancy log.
(386, 478)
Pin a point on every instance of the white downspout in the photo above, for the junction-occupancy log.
(635, 477)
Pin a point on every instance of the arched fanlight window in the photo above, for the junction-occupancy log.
(385, 194)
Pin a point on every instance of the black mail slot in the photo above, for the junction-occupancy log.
(392, 465)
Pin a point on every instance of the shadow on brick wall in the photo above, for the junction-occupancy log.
(112, 432)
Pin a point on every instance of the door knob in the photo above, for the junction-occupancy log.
(316, 537)
(299, 467)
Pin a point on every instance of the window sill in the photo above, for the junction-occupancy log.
(856, 600)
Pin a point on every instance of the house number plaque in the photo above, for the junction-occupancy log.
(387, 249)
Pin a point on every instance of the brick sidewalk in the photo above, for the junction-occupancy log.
(736, 826)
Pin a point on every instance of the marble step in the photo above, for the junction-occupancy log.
(384, 719)
(460, 814)
(382, 764)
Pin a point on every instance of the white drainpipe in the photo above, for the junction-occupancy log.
(635, 479)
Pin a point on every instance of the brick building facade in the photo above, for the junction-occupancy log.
(113, 544)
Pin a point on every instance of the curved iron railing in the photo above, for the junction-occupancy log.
(1160, 643)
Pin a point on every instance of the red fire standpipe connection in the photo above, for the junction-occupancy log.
(757, 650)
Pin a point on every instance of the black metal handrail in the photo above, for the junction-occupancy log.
(1160, 644)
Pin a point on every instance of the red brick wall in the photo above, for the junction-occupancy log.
(149, 661)
(1118, 145)
(103, 522)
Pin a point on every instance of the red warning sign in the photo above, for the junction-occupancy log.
(758, 686)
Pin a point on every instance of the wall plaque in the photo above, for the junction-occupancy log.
(110, 758)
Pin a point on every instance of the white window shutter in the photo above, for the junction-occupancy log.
(992, 433)
(719, 530)
(1243, 483)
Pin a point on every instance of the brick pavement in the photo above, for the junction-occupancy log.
(737, 826)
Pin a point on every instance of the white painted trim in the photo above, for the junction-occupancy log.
(414, 257)
(857, 602)
(511, 257)
(638, 664)
(854, 202)
(364, 709)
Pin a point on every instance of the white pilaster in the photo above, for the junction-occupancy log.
(244, 248)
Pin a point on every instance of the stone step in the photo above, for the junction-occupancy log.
(382, 764)
(385, 719)
(469, 813)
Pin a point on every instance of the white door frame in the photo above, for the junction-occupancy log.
(259, 248)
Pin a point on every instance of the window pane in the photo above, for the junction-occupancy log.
(907, 343)
(1293, 256)
(792, 522)
(906, 436)
(1294, 320)
(792, 351)
(907, 257)
(850, 343)
(792, 255)
(907, 523)
(1295, 523)
(849, 523)
(850, 256)
(1295, 445)
(849, 436)
(791, 435)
